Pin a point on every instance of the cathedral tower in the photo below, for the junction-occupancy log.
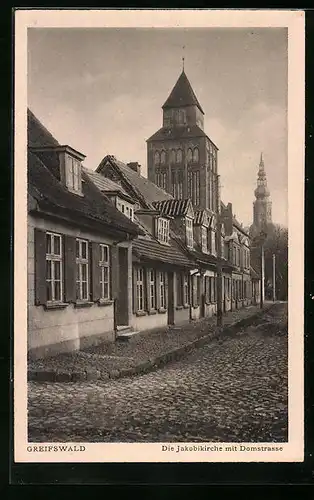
(262, 215)
(181, 159)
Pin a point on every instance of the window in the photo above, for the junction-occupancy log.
(189, 232)
(73, 174)
(161, 179)
(181, 117)
(162, 290)
(131, 213)
(140, 288)
(204, 239)
(195, 155)
(163, 157)
(82, 288)
(54, 278)
(163, 230)
(104, 272)
(186, 289)
(213, 242)
(179, 156)
(157, 158)
(189, 155)
(215, 289)
(152, 289)
(173, 156)
(177, 184)
(196, 187)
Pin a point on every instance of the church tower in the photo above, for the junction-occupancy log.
(262, 215)
(181, 159)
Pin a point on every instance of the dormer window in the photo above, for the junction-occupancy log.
(189, 232)
(204, 239)
(162, 226)
(73, 174)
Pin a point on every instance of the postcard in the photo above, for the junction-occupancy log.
(159, 175)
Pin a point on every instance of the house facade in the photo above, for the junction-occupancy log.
(79, 249)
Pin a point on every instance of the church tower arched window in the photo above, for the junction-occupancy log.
(163, 157)
(189, 155)
(179, 156)
(195, 155)
(173, 156)
(157, 158)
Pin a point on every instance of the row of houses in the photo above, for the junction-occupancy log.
(110, 253)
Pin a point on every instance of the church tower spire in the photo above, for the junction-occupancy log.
(262, 213)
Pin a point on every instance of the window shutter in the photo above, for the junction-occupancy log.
(134, 291)
(158, 290)
(114, 271)
(194, 291)
(40, 267)
(96, 272)
(147, 289)
(70, 268)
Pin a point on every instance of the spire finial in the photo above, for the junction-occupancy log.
(183, 58)
(261, 160)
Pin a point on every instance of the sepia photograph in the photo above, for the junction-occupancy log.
(156, 212)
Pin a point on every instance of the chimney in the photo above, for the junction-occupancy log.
(134, 165)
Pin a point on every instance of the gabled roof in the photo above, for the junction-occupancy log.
(182, 94)
(174, 208)
(182, 132)
(145, 190)
(102, 182)
(53, 197)
(152, 250)
(202, 217)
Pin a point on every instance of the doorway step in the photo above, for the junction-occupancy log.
(126, 333)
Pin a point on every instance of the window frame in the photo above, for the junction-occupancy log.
(81, 261)
(105, 264)
(162, 290)
(189, 232)
(140, 285)
(163, 230)
(204, 239)
(152, 297)
(73, 174)
(52, 257)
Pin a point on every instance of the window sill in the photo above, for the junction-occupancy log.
(152, 311)
(85, 303)
(162, 310)
(186, 306)
(104, 302)
(178, 308)
(55, 305)
(141, 313)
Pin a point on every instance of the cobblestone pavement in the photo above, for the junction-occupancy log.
(119, 355)
(229, 390)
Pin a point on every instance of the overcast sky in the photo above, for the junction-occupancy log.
(101, 91)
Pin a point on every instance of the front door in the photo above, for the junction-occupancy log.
(122, 292)
(170, 299)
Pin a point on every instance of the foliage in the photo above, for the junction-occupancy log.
(276, 242)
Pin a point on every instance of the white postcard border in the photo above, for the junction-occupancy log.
(292, 451)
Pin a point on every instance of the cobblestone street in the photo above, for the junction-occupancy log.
(232, 389)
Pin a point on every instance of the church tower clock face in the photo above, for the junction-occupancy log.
(189, 169)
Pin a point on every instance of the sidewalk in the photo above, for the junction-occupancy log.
(148, 351)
